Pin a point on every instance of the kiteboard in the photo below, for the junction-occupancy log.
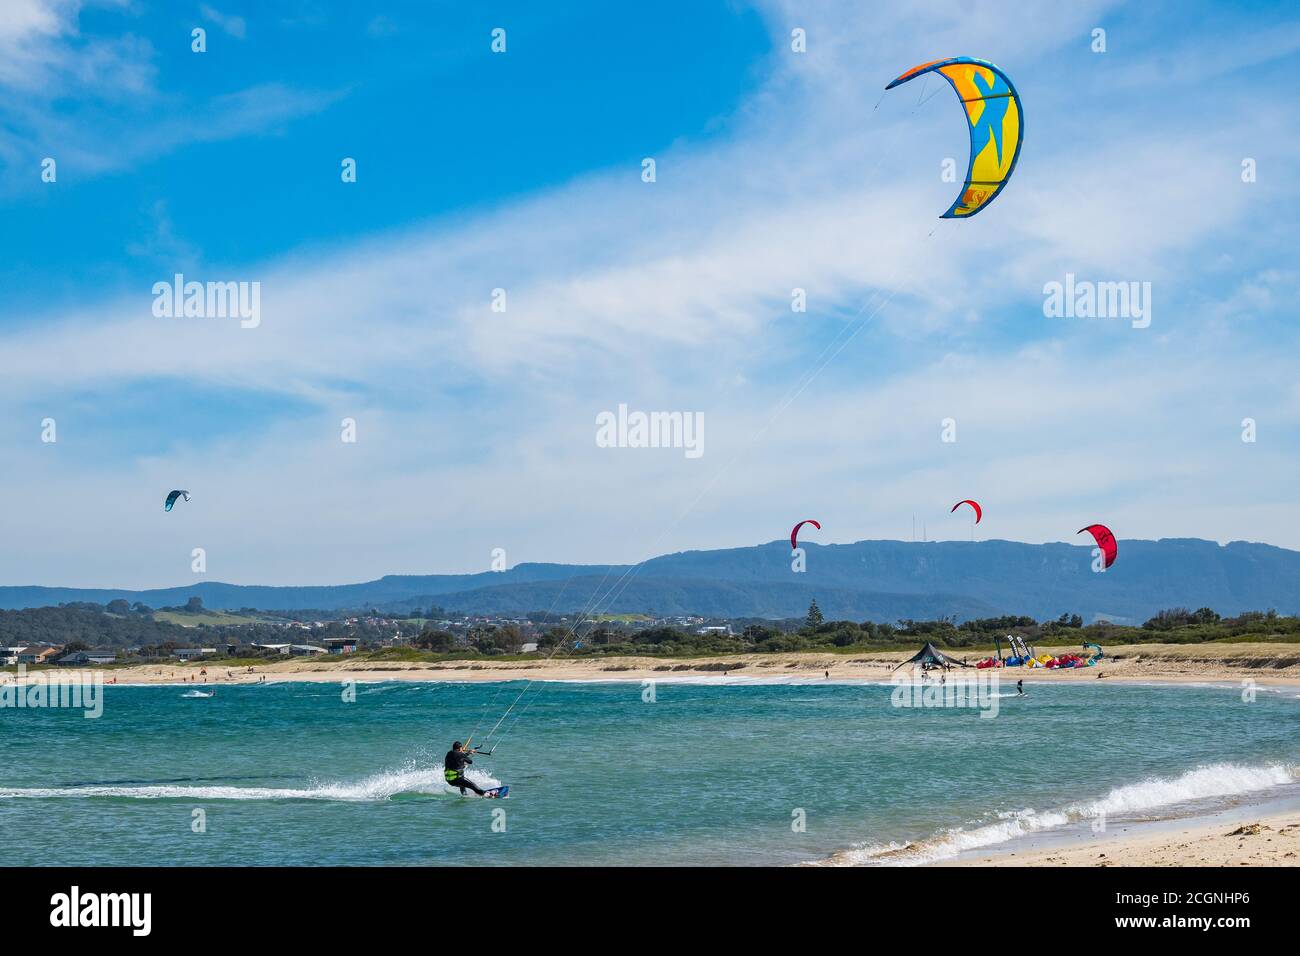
(497, 793)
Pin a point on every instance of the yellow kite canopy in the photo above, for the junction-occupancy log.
(996, 126)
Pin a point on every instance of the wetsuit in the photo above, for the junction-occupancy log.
(454, 771)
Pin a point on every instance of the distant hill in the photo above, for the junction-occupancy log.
(866, 580)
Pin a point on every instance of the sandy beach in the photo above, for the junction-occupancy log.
(1239, 837)
(1264, 663)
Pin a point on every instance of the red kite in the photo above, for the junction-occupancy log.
(1105, 540)
(795, 533)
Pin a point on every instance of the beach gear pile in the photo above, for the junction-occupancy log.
(1024, 657)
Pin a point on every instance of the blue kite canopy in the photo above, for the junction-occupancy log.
(996, 122)
(172, 496)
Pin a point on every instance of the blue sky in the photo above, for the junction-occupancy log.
(521, 171)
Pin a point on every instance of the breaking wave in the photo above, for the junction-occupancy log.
(1155, 793)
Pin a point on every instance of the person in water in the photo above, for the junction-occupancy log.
(454, 769)
(1020, 687)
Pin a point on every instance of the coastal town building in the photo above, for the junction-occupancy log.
(87, 659)
(38, 655)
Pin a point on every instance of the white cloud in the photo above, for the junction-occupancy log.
(93, 101)
(232, 25)
(477, 429)
(43, 54)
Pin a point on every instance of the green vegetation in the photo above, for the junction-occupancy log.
(148, 633)
(88, 625)
(144, 633)
(977, 637)
(209, 618)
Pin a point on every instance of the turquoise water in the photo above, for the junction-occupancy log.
(710, 773)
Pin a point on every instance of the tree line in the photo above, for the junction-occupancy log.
(84, 625)
(813, 633)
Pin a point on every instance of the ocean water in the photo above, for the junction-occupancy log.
(709, 773)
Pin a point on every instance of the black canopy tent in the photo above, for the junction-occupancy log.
(932, 655)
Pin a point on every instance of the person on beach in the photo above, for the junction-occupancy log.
(453, 769)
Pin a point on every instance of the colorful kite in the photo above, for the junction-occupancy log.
(979, 512)
(996, 126)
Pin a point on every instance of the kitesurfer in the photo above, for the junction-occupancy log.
(1020, 687)
(454, 769)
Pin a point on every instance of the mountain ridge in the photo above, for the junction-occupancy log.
(879, 580)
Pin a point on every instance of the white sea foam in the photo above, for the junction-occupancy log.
(1203, 783)
(1214, 780)
(380, 786)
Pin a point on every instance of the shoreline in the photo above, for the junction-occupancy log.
(1265, 664)
(1260, 833)
(1212, 830)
